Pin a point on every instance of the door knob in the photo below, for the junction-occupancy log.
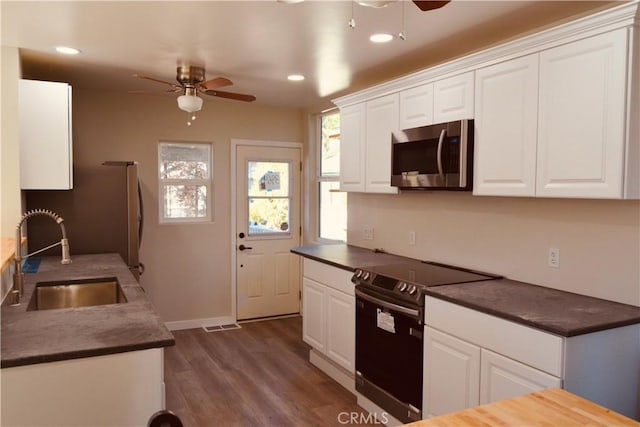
(243, 247)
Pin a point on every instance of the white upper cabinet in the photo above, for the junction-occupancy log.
(556, 112)
(506, 107)
(416, 106)
(382, 119)
(581, 143)
(352, 147)
(46, 156)
(453, 98)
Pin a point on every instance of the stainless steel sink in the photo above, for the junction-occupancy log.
(76, 293)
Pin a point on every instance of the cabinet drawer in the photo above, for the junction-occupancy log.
(334, 277)
(530, 346)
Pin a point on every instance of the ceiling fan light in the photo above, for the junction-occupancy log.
(375, 3)
(190, 103)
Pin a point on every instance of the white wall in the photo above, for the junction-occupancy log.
(599, 240)
(9, 154)
(188, 274)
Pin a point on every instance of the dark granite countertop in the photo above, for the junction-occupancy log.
(347, 257)
(559, 312)
(30, 337)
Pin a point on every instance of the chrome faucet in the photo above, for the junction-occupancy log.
(18, 275)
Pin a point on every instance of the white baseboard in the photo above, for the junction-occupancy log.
(337, 373)
(380, 414)
(199, 323)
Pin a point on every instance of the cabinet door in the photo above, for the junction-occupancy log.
(451, 374)
(313, 314)
(582, 109)
(341, 328)
(416, 106)
(382, 119)
(46, 157)
(352, 147)
(503, 378)
(506, 107)
(453, 98)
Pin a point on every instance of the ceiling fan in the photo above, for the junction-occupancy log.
(424, 5)
(191, 82)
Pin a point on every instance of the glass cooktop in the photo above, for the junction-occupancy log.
(426, 274)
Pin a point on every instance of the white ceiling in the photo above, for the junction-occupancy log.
(257, 44)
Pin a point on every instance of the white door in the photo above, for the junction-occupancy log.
(267, 227)
(582, 114)
(383, 117)
(506, 128)
(341, 337)
(313, 321)
(451, 372)
(352, 140)
(453, 98)
(504, 378)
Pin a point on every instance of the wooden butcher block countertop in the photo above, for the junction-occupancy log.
(550, 407)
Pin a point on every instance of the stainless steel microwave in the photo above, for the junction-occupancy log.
(434, 157)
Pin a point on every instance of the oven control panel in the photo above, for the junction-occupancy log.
(400, 288)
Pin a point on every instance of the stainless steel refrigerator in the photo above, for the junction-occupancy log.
(102, 214)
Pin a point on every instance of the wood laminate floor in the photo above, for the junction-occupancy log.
(258, 375)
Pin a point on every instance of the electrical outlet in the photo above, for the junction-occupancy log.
(368, 233)
(412, 237)
(554, 257)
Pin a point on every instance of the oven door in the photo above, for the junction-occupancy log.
(389, 354)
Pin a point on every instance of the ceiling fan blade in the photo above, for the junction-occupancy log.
(140, 76)
(172, 90)
(215, 83)
(231, 95)
(426, 5)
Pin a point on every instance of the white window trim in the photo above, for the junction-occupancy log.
(321, 178)
(164, 182)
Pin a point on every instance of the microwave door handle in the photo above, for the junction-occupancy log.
(443, 134)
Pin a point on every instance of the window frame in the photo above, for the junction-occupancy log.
(323, 178)
(207, 182)
(272, 235)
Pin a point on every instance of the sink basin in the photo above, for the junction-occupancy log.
(76, 293)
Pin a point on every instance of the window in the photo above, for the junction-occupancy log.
(269, 198)
(185, 182)
(332, 203)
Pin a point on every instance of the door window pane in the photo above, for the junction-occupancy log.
(268, 215)
(268, 197)
(268, 179)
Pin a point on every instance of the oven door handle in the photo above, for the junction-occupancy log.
(386, 304)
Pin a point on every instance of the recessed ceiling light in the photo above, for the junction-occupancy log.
(296, 77)
(67, 50)
(381, 38)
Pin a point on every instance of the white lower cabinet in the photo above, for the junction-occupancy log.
(459, 374)
(503, 378)
(328, 317)
(123, 389)
(473, 358)
(452, 373)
